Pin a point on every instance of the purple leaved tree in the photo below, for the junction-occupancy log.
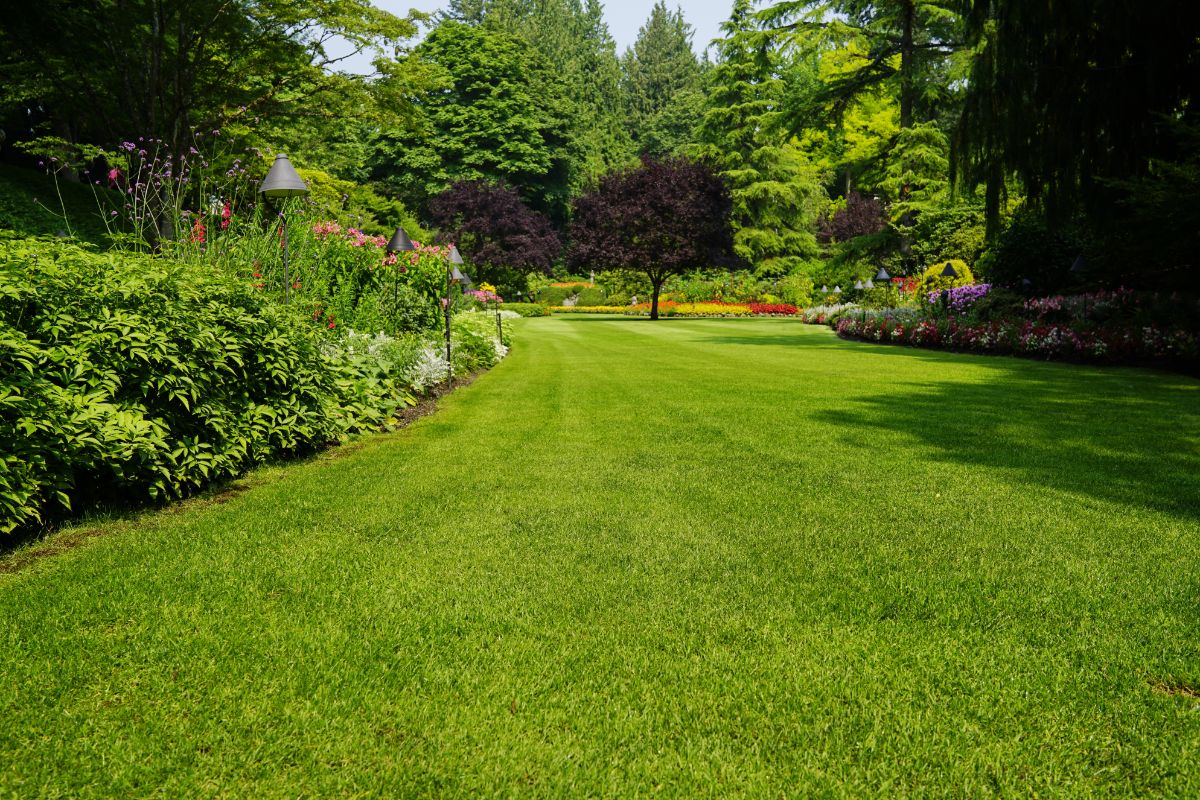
(499, 235)
(661, 218)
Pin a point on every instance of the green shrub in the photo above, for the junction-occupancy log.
(949, 232)
(555, 295)
(1029, 250)
(526, 309)
(127, 378)
(593, 296)
(932, 280)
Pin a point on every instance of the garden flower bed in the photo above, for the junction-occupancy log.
(1118, 326)
(670, 308)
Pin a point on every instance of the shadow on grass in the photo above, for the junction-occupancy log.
(1112, 434)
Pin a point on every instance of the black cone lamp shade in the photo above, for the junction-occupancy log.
(400, 242)
(837, 290)
(282, 180)
(949, 272)
(882, 275)
(868, 284)
(455, 257)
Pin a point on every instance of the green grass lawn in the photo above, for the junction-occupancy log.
(688, 558)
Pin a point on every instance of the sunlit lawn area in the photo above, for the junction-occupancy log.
(687, 558)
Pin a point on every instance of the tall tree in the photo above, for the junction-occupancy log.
(1074, 97)
(108, 71)
(775, 191)
(662, 77)
(498, 113)
(574, 39)
(662, 218)
(907, 43)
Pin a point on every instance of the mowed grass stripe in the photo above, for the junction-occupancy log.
(692, 558)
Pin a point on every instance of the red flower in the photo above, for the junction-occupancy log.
(226, 215)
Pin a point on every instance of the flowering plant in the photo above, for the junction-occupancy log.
(959, 298)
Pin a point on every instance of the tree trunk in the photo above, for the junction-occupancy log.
(657, 284)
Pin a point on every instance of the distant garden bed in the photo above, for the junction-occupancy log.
(1106, 327)
(670, 308)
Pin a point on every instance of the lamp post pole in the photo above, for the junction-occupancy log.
(499, 327)
(948, 272)
(283, 182)
(449, 367)
(399, 243)
(453, 275)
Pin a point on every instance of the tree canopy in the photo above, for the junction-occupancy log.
(662, 218)
(497, 233)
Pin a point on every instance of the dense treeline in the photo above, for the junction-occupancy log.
(1014, 135)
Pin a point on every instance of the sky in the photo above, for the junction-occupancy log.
(624, 18)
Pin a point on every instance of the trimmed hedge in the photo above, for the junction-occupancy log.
(526, 309)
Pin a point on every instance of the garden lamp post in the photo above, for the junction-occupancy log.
(399, 243)
(281, 183)
(837, 290)
(948, 272)
(882, 278)
(453, 276)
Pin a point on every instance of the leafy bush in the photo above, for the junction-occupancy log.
(1028, 250)
(127, 377)
(932, 279)
(555, 295)
(592, 296)
(949, 232)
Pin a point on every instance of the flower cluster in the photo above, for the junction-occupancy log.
(323, 230)
(1028, 338)
(484, 296)
(959, 298)
(1081, 305)
(358, 239)
(773, 309)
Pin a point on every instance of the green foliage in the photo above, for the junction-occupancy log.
(555, 295)
(796, 289)
(1030, 250)
(358, 206)
(776, 193)
(949, 231)
(624, 284)
(573, 38)
(130, 377)
(662, 81)
(932, 280)
(594, 296)
(496, 112)
(109, 71)
(34, 203)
